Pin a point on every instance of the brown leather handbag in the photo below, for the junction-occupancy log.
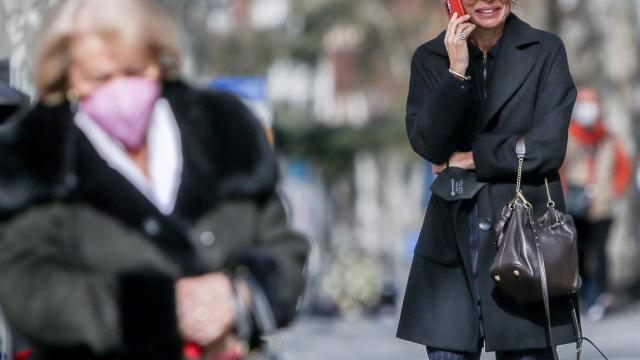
(527, 245)
(537, 259)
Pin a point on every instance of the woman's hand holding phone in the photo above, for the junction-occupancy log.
(456, 43)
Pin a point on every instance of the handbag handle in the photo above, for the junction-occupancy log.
(519, 193)
(521, 150)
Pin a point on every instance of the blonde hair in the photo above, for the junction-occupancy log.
(138, 23)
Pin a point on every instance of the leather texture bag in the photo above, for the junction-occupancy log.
(527, 247)
(525, 244)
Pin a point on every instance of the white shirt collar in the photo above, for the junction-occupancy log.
(164, 151)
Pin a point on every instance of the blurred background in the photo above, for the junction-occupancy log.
(329, 79)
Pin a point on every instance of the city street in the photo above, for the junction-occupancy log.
(332, 158)
(321, 339)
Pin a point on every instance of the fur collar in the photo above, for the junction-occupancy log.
(40, 147)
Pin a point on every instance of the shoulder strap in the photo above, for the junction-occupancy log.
(577, 328)
(545, 292)
(521, 150)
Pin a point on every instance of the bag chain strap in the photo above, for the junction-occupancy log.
(550, 202)
(519, 177)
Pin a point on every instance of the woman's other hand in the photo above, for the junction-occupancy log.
(456, 44)
(437, 169)
(463, 160)
(205, 307)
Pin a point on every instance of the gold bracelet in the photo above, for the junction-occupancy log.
(460, 76)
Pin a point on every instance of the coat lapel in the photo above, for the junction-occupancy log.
(197, 191)
(226, 154)
(511, 67)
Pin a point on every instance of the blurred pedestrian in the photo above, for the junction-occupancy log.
(596, 172)
(11, 99)
(487, 83)
(141, 219)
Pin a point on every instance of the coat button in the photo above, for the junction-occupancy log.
(151, 227)
(485, 225)
(207, 238)
(71, 181)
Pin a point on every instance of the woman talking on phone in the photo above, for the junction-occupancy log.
(488, 82)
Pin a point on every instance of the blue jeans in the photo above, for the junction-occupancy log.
(534, 354)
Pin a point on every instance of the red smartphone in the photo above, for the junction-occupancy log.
(455, 6)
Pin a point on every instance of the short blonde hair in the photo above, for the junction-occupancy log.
(141, 23)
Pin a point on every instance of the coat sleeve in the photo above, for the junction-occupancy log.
(437, 106)
(274, 268)
(278, 256)
(60, 304)
(285, 251)
(546, 142)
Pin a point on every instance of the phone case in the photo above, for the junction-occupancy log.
(455, 6)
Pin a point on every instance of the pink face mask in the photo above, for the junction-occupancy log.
(123, 108)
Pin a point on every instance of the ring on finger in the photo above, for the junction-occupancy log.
(201, 313)
(463, 36)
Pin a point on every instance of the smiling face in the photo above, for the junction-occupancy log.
(488, 14)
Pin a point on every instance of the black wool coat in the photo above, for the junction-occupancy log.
(88, 264)
(531, 94)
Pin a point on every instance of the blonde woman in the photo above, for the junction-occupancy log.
(141, 215)
(488, 84)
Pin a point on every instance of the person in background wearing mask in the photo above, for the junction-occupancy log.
(140, 215)
(596, 171)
